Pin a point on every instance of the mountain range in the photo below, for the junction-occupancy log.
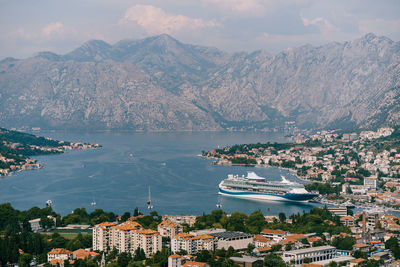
(161, 84)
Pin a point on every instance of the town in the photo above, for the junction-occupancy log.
(355, 169)
(327, 236)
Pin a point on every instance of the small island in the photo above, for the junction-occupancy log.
(16, 148)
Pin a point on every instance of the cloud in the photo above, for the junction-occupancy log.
(51, 31)
(241, 7)
(154, 20)
(321, 23)
(54, 28)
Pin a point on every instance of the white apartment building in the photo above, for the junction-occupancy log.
(102, 234)
(203, 242)
(169, 229)
(149, 240)
(126, 237)
(182, 241)
(192, 244)
(123, 236)
(174, 261)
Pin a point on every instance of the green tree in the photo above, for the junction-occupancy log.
(393, 244)
(125, 216)
(123, 259)
(24, 260)
(139, 255)
(345, 243)
(250, 247)
(255, 222)
(237, 221)
(272, 260)
(282, 217)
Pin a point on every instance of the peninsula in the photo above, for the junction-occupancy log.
(17, 147)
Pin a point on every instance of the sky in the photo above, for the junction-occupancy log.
(30, 26)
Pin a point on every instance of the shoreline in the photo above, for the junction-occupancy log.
(292, 171)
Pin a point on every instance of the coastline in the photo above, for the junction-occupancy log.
(292, 171)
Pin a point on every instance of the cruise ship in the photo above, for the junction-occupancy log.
(258, 188)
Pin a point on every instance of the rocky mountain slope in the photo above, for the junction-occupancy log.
(159, 83)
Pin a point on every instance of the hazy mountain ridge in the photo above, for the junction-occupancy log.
(159, 83)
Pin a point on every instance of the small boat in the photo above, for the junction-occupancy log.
(49, 203)
(149, 206)
(219, 205)
(93, 203)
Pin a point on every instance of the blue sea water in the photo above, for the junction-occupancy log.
(117, 176)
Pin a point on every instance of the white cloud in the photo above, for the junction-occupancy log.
(154, 20)
(241, 7)
(54, 28)
(321, 23)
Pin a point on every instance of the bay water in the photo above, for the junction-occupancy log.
(117, 175)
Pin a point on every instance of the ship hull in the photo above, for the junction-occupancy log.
(264, 196)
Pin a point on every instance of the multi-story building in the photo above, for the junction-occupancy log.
(192, 244)
(149, 240)
(338, 211)
(203, 242)
(35, 225)
(123, 236)
(169, 229)
(126, 237)
(175, 261)
(373, 219)
(182, 241)
(314, 254)
(102, 236)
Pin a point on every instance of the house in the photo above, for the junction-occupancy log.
(261, 241)
(276, 235)
(357, 262)
(347, 221)
(261, 250)
(82, 254)
(59, 254)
